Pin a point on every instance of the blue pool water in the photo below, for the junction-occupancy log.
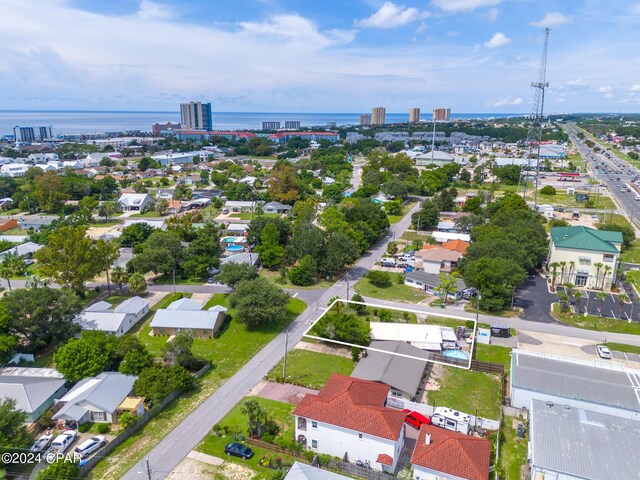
(234, 248)
(455, 354)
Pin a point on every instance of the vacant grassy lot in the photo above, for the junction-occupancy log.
(236, 424)
(600, 324)
(311, 369)
(564, 200)
(405, 210)
(513, 451)
(251, 216)
(494, 354)
(468, 391)
(274, 276)
(411, 236)
(180, 280)
(236, 345)
(397, 291)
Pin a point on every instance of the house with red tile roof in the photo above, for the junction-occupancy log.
(349, 419)
(442, 454)
(456, 246)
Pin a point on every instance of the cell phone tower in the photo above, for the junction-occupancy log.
(534, 134)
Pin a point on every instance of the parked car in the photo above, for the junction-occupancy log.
(42, 443)
(469, 293)
(87, 447)
(603, 351)
(387, 262)
(225, 211)
(415, 419)
(61, 443)
(237, 449)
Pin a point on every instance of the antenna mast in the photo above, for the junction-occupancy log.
(534, 134)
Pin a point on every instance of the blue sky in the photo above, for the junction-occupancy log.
(318, 56)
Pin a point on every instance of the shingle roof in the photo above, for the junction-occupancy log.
(439, 254)
(354, 404)
(453, 453)
(401, 373)
(585, 238)
(583, 444)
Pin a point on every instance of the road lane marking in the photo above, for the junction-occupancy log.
(295, 294)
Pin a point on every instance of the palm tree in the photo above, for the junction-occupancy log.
(137, 284)
(554, 272)
(572, 266)
(578, 295)
(564, 301)
(607, 271)
(119, 276)
(598, 266)
(601, 296)
(563, 265)
(11, 266)
(619, 273)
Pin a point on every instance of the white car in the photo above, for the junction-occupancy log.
(61, 443)
(603, 351)
(89, 446)
(42, 443)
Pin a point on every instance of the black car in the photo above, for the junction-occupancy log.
(238, 450)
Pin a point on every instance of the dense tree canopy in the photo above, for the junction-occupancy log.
(258, 303)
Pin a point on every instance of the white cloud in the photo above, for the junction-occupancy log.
(506, 102)
(152, 10)
(553, 19)
(608, 95)
(391, 15)
(578, 82)
(605, 89)
(491, 15)
(635, 87)
(498, 40)
(463, 5)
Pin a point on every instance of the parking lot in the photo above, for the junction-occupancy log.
(609, 307)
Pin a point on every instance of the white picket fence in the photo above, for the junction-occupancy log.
(485, 423)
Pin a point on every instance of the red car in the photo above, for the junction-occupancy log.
(415, 419)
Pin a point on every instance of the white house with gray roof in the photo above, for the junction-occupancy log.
(95, 399)
(115, 321)
(32, 389)
(600, 386)
(134, 201)
(568, 443)
(187, 315)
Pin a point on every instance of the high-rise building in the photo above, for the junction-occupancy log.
(270, 125)
(441, 114)
(365, 119)
(156, 128)
(196, 116)
(378, 115)
(292, 124)
(32, 134)
(414, 115)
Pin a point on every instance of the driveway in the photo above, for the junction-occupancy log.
(535, 300)
(281, 392)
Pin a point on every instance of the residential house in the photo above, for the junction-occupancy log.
(572, 443)
(165, 193)
(248, 180)
(242, 206)
(379, 363)
(6, 203)
(188, 180)
(438, 259)
(244, 257)
(591, 256)
(442, 237)
(24, 250)
(276, 207)
(237, 228)
(94, 399)
(33, 389)
(441, 454)
(609, 388)
(14, 169)
(348, 419)
(73, 164)
(94, 159)
(175, 206)
(444, 226)
(187, 315)
(429, 283)
(135, 201)
(114, 321)
(433, 338)
(456, 246)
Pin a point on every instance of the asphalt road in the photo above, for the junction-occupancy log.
(165, 456)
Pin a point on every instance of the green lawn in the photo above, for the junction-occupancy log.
(251, 216)
(621, 347)
(564, 200)
(104, 223)
(411, 236)
(180, 280)
(274, 276)
(15, 231)
(494, 354)
(405, 209)
(466, 390)
(596, 323)
(234, 348)
(398, 292)
(150, 214)
(13, 211)
(311, 369)
(634, 275)
(237, 423)
(513, 451)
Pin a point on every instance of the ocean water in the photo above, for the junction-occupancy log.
(85, 122)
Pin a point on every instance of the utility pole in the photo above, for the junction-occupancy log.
(148, 469)
(433, 137)
(347, 277)
(284, 362)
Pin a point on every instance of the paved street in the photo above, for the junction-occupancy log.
(186, 436)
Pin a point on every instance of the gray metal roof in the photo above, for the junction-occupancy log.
(185, 304)
(195, 319)
(29, 392)
(583, 444)
(244, 257)
(105, 391)
(591, 382)
(432, 279)
(100, 306)
(401, 373)
(302, 471)
(132, 305)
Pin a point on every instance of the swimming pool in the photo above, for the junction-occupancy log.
(232, 239)
(459, 354)
(235, 248)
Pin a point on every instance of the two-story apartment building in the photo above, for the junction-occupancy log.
(348, 419)
(586, 257)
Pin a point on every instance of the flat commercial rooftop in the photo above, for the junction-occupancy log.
(595, 382)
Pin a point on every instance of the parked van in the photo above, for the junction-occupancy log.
(388, 262)
(451, 420)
